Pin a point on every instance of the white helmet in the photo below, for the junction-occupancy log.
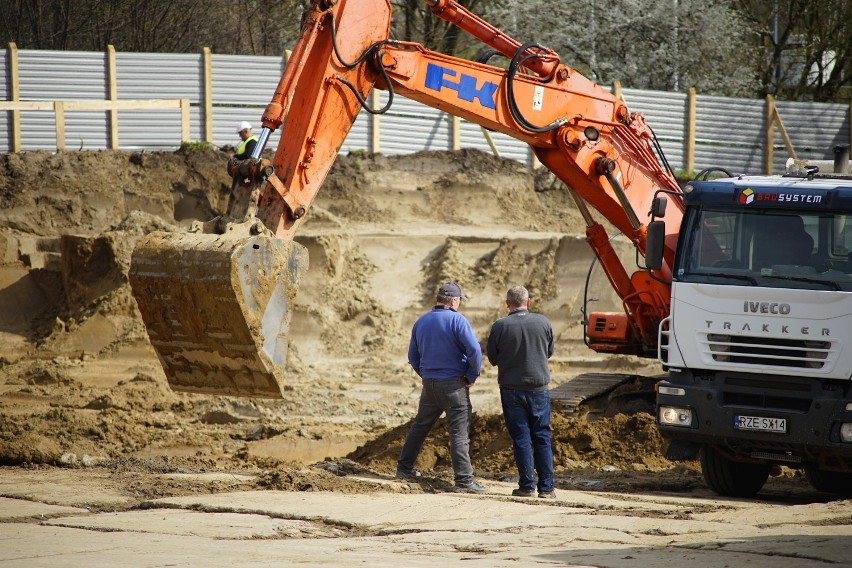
(244, 125)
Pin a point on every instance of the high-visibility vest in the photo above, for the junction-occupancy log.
(242, 147)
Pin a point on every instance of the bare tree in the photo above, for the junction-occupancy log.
(414, 21)
(807, 46)
(794, 49)
(653, 44)
(236, 26)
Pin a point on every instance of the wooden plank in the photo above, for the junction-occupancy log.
(15, 106)
(123, 104)
(93, 105)
(788, 143)
(616, 90)
(487, 134)
(59, 108)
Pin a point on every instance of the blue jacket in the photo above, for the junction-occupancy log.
(443, 346)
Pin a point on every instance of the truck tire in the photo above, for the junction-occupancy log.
(731, 478)
(835, 482)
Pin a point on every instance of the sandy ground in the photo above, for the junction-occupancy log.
(94, 442)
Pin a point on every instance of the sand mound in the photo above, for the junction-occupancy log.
(79, 382)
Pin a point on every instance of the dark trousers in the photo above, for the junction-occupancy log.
(436, 397)
(527, 416)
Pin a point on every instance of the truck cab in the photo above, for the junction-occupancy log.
(758, 342)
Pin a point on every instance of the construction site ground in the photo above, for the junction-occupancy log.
(102, 464)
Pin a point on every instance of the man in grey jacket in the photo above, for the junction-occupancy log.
(519, 345)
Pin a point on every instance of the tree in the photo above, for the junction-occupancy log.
(414, 21)
(807, 47)
(236, 26)
(651, 44)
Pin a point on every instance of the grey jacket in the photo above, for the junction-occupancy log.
(519, 345)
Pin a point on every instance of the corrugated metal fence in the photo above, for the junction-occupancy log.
(728, 132)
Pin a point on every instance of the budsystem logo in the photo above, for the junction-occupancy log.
(746, 197)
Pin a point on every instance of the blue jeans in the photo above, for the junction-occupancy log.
(436, 397)
(527, 416)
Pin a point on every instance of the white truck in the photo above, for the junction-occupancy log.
(758, 342)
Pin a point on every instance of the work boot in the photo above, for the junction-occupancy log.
(469, 487)
(523, 493)
(408, 475)
(547, 495)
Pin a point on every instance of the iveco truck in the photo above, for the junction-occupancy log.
(758, 343)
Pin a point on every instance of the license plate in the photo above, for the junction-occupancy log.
(760, 424)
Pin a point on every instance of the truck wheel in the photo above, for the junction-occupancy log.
(731, 478)
(835, 482)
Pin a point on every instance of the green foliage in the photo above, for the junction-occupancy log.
(196, 146)
(684, 176)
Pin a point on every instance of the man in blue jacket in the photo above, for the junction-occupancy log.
(519, 345)
(445, 354)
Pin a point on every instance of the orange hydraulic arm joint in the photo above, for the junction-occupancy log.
(316, 102)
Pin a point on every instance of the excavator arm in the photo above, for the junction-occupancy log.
(582, 133)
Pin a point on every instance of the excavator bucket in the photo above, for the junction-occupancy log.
(217, 308)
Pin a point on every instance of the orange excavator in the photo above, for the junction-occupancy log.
(216, 300)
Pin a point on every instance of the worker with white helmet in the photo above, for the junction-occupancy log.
(249, 141)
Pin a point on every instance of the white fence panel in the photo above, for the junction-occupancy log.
(729, 131)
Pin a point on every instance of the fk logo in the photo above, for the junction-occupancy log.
(437, 77)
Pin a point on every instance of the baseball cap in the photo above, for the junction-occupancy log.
(244, 125)
(451, 290)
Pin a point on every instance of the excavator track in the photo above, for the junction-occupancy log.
(580, 396)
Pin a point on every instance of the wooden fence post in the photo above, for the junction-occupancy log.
(455, 133)
(14, 94)
(208, 94)
(59, 119)
(184, 121)
(768, 135)
(773, 119)
(375, 124)
(689, 141)
(112, 95)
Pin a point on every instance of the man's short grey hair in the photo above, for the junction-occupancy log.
(517, 296)
(445, 299)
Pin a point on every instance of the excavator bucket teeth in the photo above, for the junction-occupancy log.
(217, 308)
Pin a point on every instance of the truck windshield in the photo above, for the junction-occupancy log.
(771, 248)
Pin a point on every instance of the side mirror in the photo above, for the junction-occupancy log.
(658, 206)
(654, 244)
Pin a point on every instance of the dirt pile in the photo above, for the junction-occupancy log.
(80, 384)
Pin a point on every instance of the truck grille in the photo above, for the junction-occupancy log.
(751, 350)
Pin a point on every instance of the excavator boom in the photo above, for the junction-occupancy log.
(216, 301)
